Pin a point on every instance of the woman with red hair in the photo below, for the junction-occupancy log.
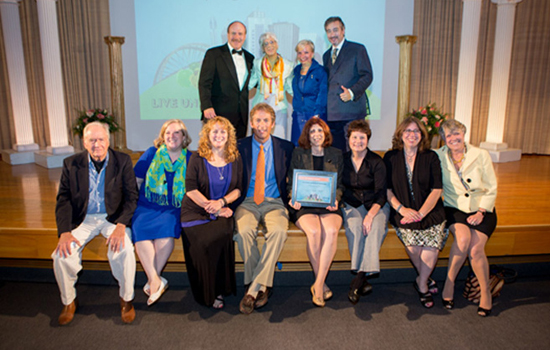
(321, 225)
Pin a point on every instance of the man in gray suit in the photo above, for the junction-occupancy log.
(349, 75)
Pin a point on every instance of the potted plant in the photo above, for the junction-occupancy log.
(92, 115)
(432, 118)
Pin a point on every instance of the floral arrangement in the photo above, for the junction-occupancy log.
(92, 115)
(431, 117)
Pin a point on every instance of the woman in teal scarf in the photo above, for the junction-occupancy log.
(160, 174)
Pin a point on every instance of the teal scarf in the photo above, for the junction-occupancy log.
(156, 187)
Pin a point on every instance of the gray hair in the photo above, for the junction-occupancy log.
(266, 36)
(451, 125)
(306, 42)
(103, 125)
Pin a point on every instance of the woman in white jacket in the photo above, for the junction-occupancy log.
(469, 191)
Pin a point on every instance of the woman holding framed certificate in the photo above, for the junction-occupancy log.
(321, 225)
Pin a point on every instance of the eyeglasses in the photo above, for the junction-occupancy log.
(408, 131)
(267, 43)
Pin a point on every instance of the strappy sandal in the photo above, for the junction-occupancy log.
(448, 304)
(218, 303)
(483, 312)
(432, 286)
(426, 299)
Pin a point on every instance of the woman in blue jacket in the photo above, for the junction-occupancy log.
(310, 89)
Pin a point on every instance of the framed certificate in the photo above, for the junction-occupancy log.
(314, 188)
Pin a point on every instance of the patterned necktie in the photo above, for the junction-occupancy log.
(259, 185)
(334, 55)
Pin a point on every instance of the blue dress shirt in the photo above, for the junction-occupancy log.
(96, 198)
(271, 189)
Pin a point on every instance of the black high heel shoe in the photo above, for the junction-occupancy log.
(426, 299)
(483, 312)
(448, 304)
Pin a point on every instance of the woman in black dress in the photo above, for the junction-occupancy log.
(321, 225)
(213, 180)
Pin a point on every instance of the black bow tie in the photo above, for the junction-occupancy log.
(238, 52)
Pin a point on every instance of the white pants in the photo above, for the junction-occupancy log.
(123, 263)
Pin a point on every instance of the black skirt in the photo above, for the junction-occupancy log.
(296, 214)
(487, 226)
(210, 259)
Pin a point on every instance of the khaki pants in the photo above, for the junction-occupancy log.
(260, 268)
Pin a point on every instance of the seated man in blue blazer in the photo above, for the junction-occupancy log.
(349, 75)
(97, 194)
(266, 159)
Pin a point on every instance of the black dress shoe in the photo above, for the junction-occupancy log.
(353, 295)
(366, 288)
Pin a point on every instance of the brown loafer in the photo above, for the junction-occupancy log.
(246, 306)
(261, 299)
(67, 314)
(127, 311)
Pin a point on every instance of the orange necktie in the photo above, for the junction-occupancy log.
(259, 185)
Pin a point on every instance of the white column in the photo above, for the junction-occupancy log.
(51, 59)
(471, 17)
(504, 32)
(15, 59)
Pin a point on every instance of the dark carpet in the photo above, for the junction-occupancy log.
(389, 318)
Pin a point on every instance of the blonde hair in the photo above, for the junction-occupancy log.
(304, 43)
(159, 141)
(230, 152)
(263, 107)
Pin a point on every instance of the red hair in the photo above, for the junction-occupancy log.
(304, 142)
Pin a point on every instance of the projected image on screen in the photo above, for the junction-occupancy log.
(173, 36)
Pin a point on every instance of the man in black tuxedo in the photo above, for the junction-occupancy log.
(223, 81)
(349, 75)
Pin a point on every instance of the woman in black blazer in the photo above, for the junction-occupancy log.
(321, 225)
